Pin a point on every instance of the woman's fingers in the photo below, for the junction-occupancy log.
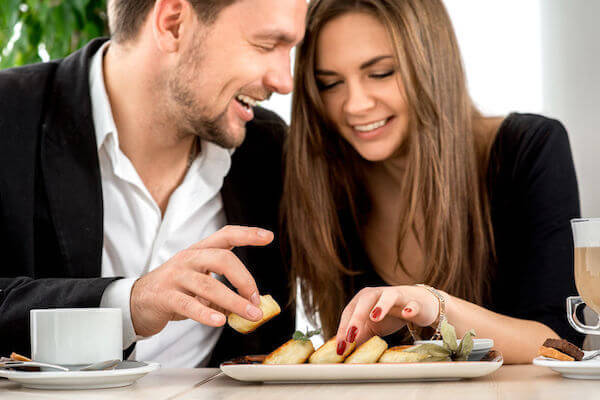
(341, 332)
(356, 330)
(387, 300)
(410, 312)
(384, 310)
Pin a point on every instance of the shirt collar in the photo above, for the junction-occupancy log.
(104, 123)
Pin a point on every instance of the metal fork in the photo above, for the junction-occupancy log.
(591, 355)
(17, 364)
(99, 366)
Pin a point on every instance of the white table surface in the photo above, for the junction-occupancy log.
(509, 382)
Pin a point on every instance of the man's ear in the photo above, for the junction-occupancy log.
(168, 19)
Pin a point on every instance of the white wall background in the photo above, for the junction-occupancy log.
(540, 56)
(571, 86)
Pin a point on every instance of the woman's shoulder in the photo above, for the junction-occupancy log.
(523, 140)
(529, 132)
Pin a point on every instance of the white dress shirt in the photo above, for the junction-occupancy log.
(137, 239)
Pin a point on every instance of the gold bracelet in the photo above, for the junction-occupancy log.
(438, 322)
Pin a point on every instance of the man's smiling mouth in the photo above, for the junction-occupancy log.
(246, 101)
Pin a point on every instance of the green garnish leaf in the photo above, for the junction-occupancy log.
(451, 350)
(299, 335)
(449, 336)
(466, 346)
(430, 349)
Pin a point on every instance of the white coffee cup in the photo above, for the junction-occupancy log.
(76, 336)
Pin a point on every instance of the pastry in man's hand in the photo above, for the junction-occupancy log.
(398, 354)
(291, 352)
(269, 308)
(327, 354)
(368, 352)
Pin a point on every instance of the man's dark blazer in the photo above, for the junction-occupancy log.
(51, 211)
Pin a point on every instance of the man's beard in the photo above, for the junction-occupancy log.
(192, 118)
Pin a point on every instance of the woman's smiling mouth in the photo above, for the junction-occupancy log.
(370, 130)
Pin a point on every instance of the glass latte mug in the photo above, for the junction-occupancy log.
(586, 238)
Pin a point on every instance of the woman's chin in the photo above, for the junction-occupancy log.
(374, 153)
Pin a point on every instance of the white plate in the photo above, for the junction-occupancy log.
(438, 371)
(589, 369)
(480, 347)
(80, 379)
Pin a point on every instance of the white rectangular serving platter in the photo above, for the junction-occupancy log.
(338, 373)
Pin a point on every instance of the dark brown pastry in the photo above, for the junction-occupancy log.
(565, 347)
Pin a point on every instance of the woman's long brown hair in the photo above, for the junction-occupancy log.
(445, 180)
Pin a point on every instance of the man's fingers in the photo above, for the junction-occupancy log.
(208, 304)
(211, 290)
(190, 307)
(224, 262)
(232, 236)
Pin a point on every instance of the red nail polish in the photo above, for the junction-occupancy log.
(351, 337)
(341, 347)
(408, 310)
(376, 313)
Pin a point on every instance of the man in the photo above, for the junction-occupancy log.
(117, 162)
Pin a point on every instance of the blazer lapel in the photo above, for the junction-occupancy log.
(70, 165)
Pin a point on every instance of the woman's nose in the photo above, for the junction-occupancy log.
(358, 99)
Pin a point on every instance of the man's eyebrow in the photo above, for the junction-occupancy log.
(364, 65)
(277, 35)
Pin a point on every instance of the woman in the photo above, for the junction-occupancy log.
(394, 178)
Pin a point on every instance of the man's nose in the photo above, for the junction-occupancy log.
(279, 76)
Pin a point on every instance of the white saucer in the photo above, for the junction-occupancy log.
(589, 369)
(81, 379)
(480, 347)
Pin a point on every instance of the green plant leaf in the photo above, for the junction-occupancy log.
(62, 26)
(466, 346)
(432, 350)
(299, 335)
(449, 335)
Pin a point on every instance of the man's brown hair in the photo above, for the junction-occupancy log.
(125, 17)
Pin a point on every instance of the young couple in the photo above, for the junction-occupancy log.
(116, 161)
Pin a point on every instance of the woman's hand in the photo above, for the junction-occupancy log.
(384, 310)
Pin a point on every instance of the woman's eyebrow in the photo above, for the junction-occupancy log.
(374, 61)
(364, 65)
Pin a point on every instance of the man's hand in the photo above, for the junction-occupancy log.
(183, 287)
